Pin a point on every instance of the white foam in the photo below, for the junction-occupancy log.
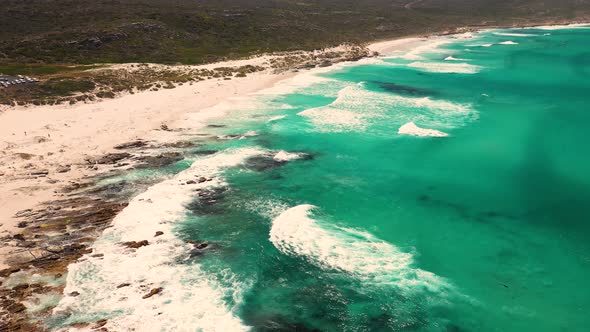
(39, 302)
(335, 119)
(355, 108)
(276, 118)
(286, 156)
(191, 300)
(250, 133)
(411, 129)
(436, 67)
(342, 114)
(452, 58)
(560, 27)
(267, 208)
(509, 42)
(432, 46)
(515, 34)
(350, 251)
(480, 45)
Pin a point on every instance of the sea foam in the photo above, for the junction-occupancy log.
(356, 107)
(190, 299)
(411, 129)
(276, 118)
(515, 34)
(452, 58)
(356, 253)
(436, 67)
(286, 156)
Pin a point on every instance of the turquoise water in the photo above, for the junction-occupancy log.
(368, 229)
(497, 211)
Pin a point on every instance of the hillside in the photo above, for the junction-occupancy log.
(190, 32)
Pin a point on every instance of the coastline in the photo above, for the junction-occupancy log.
(86, 132)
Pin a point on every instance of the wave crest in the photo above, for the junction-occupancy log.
(353, 252)
(189, 297)
(412, 129)
(436, 67)
(355, 108)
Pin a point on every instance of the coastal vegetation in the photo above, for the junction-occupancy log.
(63, 84)
(58, 41)
(194, 32)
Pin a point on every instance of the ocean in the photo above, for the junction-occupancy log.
(440, 189)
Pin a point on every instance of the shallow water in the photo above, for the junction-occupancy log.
(327, 216)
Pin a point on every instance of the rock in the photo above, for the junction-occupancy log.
(6, 272)
(74, 294)
(204, 152)
(170, 155)
(63, 169)
(202, 179)
(131, 145)
(97, 255)
(136, 244)
(158, 233)
(153, 292)
(24, 213)
(179, 144)
(20, 287)
(19, 237)
(263, 163)
(201, 246)
(208, 202)
(15, 307)
(21, 224)
(159, 161)
(40, 139)
(100, 323)
(55, 249)
(43, 172)
(191, 182)
(124, 285)
(111, 158)
(164, 127)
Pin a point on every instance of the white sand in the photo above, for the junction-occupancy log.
(397, 45)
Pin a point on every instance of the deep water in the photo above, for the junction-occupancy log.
(356, 227)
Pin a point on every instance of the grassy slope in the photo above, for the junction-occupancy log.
(190, 31)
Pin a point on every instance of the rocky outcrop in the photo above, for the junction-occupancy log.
(153, 292)
(136, 244)
(131, 145)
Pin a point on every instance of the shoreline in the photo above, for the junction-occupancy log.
(37, 169)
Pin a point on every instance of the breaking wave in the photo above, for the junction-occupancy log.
(515, 34)
(411, 129)
(356, 107)
(356, 253)
(113, 280)
(436, 67)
